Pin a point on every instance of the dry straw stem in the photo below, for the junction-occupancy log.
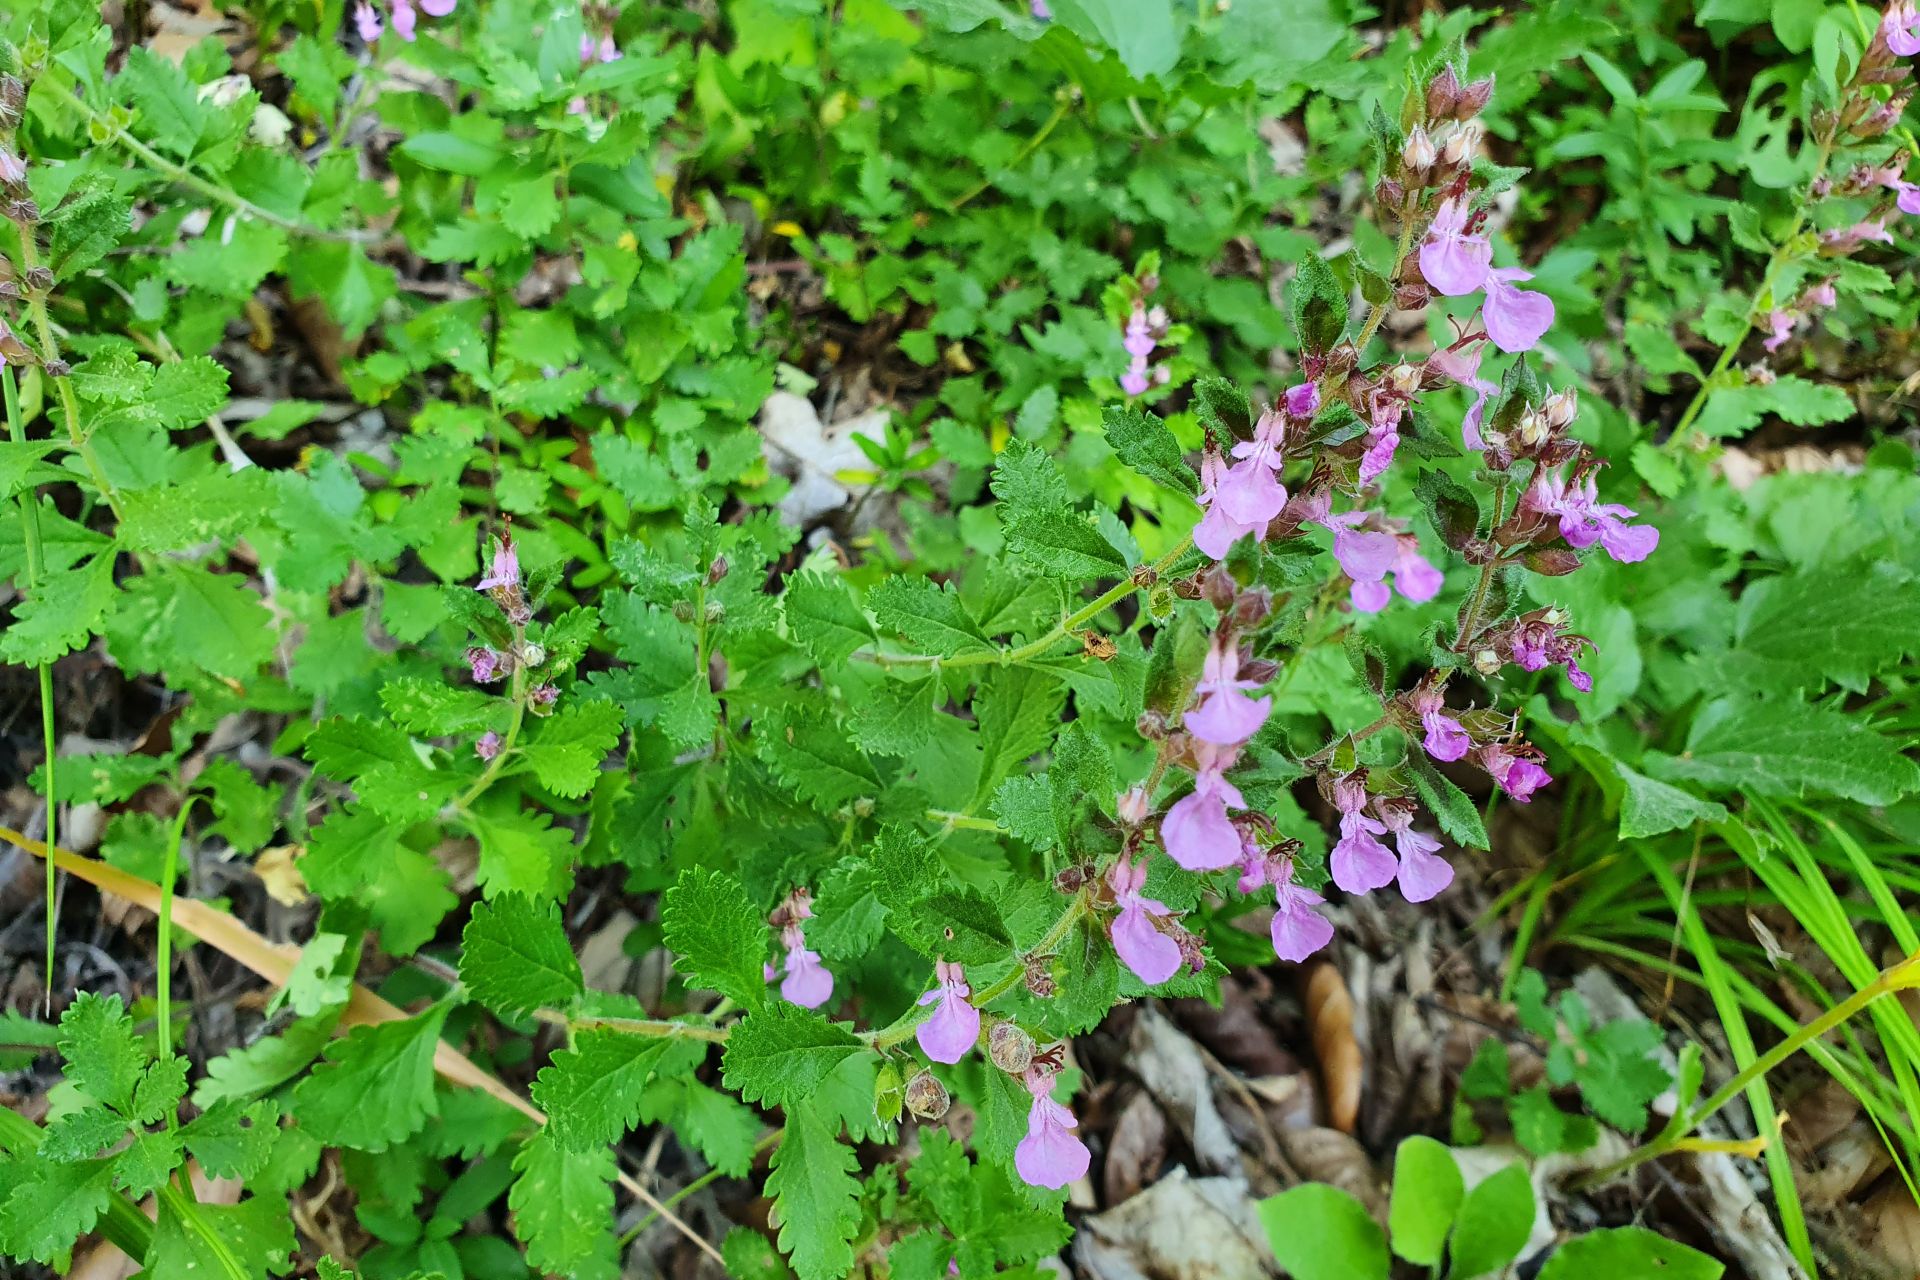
(274, 961)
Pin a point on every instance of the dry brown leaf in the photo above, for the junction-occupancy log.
(279, 870)
(1135, 1149)
(1338, 1159)
(1330, 1023)
(1893, 1227)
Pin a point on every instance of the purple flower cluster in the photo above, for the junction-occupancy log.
(366, 18)
(1144, 331)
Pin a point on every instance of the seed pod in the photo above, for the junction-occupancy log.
(1040, 977)
(683, 610)
(927, 1098)
(717, 570)
(1473, 99)
(1486, 661)
(716, 612)
(1010, 1048)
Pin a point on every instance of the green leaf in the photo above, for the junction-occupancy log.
(1316, 305)
(53, 1204)
(1427, 1190)
(823, 618)
(926, 616)
(1621, 1252)
(521, 851)
(266, 1064)
(185, 393)
(234, 1140)
(315, 981)
(1451, 807)
(376, 1086)
(562, 1206)
(452, 153)
(1142, 441)
(104, 1059)
(727, 1132)
(247, 1241)
(1788, 748)
(717, 936)
(434, 709)
(1801, 630)
(82, 1134)
(1319, 1232)
(815, 1196)
(781, 1053)
(1493, 1225)
(1732, 411)
(814, 758)
(515, 957)
(1649, 807)
(591, 1092)
(61, 614)
(567, 752)
(1040, 522)
(959, 924)
(1018, 709)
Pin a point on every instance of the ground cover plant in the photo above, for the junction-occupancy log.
(784, 639)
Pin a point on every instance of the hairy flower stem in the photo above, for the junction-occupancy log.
(661, 1027)
(1900, 977)
(1781, 252)
(1013, 657)
(212, 190)
(706, 1179)
(29, 500)
(516, 690)
(50, 351)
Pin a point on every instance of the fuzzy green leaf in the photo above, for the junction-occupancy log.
(718, 938)
(515, 956)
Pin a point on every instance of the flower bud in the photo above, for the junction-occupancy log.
(1458, 153)
(1010, 1048)
(13, 95)
(717, 570)
(1486, 661)
(1152, 725)
(1443, 94)
(1561, 407)
(715, 612)
(1133, 806)
(927, 1098)
(1389, 194)
(40, 279)
(1070, 880)
(532, 654)
(1532, 432)
(1403, 379)
(56, 368)
(1418, 153)
(863, 807)
(1143, 576)
(26, 211)
(1218, 588)
(683, 610)
(1473, 99)
(1039, 977)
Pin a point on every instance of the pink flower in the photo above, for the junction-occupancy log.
(1901, 27)
(1515, 318)
(403, 19)
(1196, 832)
(1303, 400)
(1217, 531)
(12, 168)
(1299, 929)
(1041, 13)
(1539, 640)
(1414, 577)
(1454, 262)
(1049, 1156)
(1360, 863)
(1139, 341)
(1422, 873)
(1857, 234)
(609, 51)
(1823, 294)
(1383, 439)
(488, 745)
(1463, 367)
(505, 573)
(1909, 198)
(437, 8)
(366, 20)
(1516, 769)
(1151, 954)
(1226, 716)
(487, 664)
(1251, 492)
(808, 983)
(1780, 327)
(955, 1025)
(1446, 739)
(1585, 520)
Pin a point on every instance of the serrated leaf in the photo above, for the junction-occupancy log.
(718, 938)
(53, 1204)
(562, 1208)
(434, 709)
(926, 616)
(1451, 807)
(823, 618)
(566, 754)
(234, 1140)
(814, 758)
(1788, 748)
(816, 1197)
(1847, 627)
(1649, 807)
(376, 1086)
(1142, 441)
(591, 1092)
(781, 1053)
(104, 1058)
(515, 956)
(251, 1240)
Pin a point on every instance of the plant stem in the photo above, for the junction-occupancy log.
(1377, 314)
(517, 690)
(1060, 110)
(661, 1027)
(169, 872)
(1901, 976)
(206, 187)
(964, 821)
(1012, 657)
(29, 499)
(50, 351)
(710, 1176)
(1710, 383)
